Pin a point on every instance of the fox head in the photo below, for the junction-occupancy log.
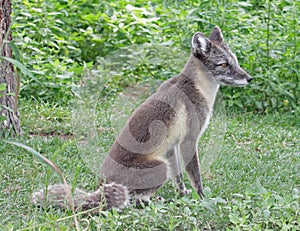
(215, 54)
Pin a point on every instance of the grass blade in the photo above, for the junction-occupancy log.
(15, 50)
(39, 156)
(56, 169)
(19, 65)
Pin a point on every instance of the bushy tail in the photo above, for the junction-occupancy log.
(106, 197)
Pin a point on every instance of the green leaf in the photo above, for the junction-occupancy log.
(208, 204)
(18, 65)
(260, 188)
(11, 94)
(266, 213)
(195, 195)
(2, 86)
(2, 118)
(234, 219)
(220, 200)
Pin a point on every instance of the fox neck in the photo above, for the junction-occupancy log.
(202, 78)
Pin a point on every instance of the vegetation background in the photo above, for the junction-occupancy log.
(253, 186)
(59, 39)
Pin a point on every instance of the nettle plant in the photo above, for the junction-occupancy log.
(60, 39)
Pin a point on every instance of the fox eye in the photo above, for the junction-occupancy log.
(223, 64)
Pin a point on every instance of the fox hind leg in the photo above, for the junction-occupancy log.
(152, 175)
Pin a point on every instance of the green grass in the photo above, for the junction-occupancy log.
(250, 163)
(251, 184)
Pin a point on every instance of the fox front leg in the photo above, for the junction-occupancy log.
(192, 166)
(173, 156)
(181, 186)
(193, 170)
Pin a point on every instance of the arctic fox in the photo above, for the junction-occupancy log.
(163, 129)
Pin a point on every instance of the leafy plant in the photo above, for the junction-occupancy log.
(59, 39)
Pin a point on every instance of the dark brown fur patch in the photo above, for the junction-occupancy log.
(152, 110)
(137, 172)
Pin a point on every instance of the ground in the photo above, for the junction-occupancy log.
(250, 165)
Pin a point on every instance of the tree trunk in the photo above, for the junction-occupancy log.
(9, 115)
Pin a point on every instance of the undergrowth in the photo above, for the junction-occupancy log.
(252, 183)
(60, 40)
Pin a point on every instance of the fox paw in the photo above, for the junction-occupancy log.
(159, 198)
(185, 192)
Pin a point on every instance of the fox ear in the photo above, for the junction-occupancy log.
(201, 46)
(216, 35)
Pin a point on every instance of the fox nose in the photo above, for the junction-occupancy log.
(246, 76)
(249, 79)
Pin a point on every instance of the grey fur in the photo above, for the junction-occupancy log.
(163, 130)
(109, 196)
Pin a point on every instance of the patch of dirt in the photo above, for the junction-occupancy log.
(136, 91)
(68, 136)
